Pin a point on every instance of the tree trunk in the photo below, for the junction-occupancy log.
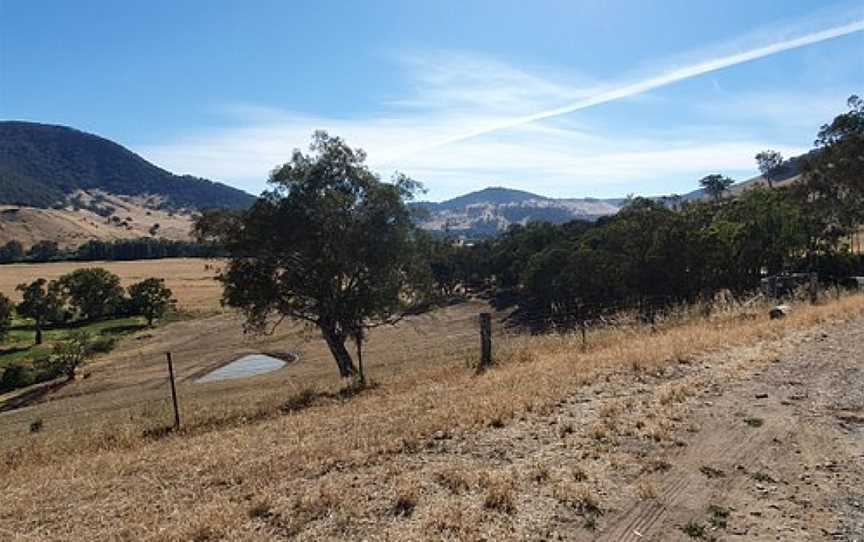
(38, 332)
(359, 343)
(336, 343)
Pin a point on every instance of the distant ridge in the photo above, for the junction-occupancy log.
(487, 212)
(42, 165)
(490, 211)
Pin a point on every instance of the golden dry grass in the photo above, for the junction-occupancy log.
(191, 279)
(243, 471)
(70, 228)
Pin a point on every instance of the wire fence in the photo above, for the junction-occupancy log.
(426, 341)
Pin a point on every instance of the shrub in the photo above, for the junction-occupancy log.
(16, 376)
(102, 345)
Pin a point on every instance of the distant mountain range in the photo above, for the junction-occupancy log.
(86, 186)
(43, 165)
(490, 211)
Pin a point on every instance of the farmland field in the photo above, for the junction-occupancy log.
(189, 278)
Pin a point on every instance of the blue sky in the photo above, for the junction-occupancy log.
(226, 89)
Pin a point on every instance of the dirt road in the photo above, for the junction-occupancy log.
(757, 443)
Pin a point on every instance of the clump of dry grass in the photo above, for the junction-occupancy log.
(407, 496)
(449, 519)
(500, 492)
(646, 490)
(579, 496)
(674, 393)
(454, 479)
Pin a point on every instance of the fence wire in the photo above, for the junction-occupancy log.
(438, 341)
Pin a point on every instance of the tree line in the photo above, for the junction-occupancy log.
(683, 250)
(72, 301)
(94, 250)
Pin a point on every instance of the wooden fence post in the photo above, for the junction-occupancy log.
(173, 392)
(485, 340)
(814, 288)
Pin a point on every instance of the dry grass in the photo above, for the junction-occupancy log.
(253, 455)
(500, 489)
(191, 279)
(70, 228)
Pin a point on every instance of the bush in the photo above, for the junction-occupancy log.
(16, 376)
(102, 345)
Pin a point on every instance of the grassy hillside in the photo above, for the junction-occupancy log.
(41, 165)
(68, 227)
(553, 440)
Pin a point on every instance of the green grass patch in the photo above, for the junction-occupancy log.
(19, 347)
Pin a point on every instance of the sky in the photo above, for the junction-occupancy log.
(561, 98)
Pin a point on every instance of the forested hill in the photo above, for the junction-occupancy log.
(41, 165)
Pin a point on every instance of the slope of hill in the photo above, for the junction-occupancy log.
(69, 227)
(491, 210)
(41, 165)
(789, 172)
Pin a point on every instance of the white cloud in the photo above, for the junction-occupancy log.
(455, 97)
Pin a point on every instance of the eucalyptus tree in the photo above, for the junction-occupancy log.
(330, 244)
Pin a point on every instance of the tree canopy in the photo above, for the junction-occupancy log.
(716, 185)
(41, 302)
(150, 298)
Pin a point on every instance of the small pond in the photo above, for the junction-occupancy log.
(251, 365)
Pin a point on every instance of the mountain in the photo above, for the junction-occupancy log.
(490, 211)
(44, 165)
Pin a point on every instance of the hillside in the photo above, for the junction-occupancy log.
(491, 210)
(786, 174)
(130, 218)
(42, 165)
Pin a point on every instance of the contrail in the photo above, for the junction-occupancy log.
(659, 81)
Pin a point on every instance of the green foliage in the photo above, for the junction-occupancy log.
(92, 293)
(150, 298)
(832, 191)
(42, 303)
(142, 249)
(12, 251)
(44, 251)
(652, 250)
(102, 345)
(41, 165)
(7, 310)
(330, 245)
(117, 250)
(67, 355)
(16, 375)
(715, 185)
(769, 163)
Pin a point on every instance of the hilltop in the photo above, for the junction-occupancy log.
(43, 165)
(64, 185)
(491, 210)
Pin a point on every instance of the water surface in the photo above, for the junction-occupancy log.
(251, 365)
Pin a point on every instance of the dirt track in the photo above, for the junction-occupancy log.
(758, 443)
(800, 476)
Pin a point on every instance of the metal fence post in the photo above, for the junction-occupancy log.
(485, 340)
(173, 391)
